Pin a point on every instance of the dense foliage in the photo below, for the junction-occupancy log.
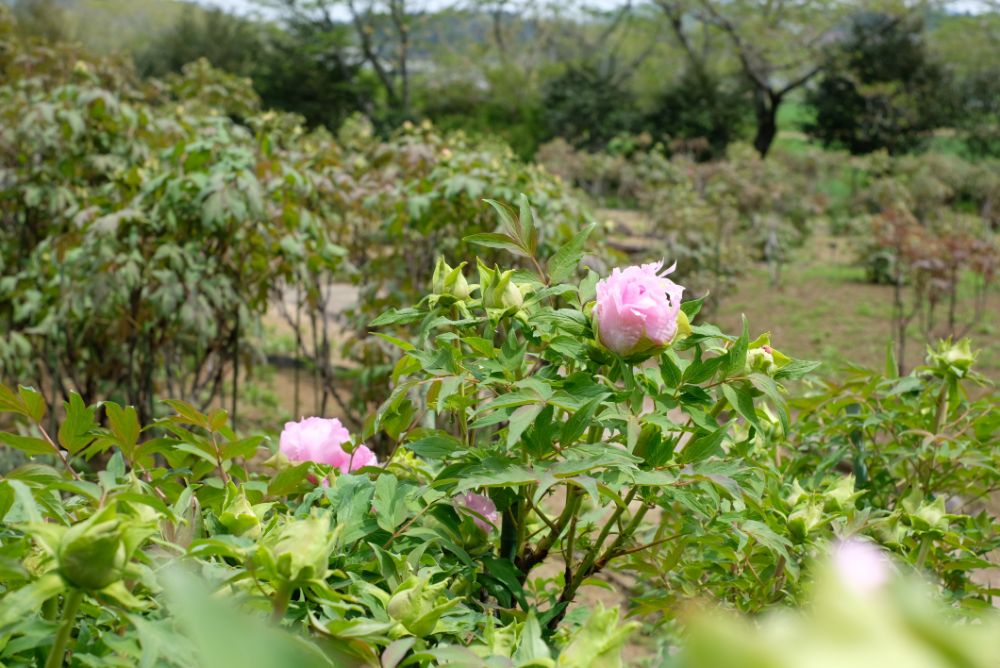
(151, 226)
(884, 75)
(882, 90)
(525, 431)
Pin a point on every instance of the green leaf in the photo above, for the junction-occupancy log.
(670, 371)
(494, 472)
(741, 401)
(438, 445)
(766, 384)
(796, 369)
(692, 307)
(704, 446)
(577, 424)
(531, 649)
(402, 316)
(396, 341)
(289, 480)
(74, 432)
(124, 425)
(891, 365)
(30, 445)
(34, 402)
(520, 420)
(504, 571)
(24, 602)
(186, 413)
(6, 498)
(389, 502)
(507, 220)
(527, 230)
(565, 260)
(501, 241)
(10, 402)
(511, 400)
(736, 358)
(244, 447)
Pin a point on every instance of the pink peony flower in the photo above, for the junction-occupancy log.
(861, 566)
(480, 506)
(637, 308)
(320, 440)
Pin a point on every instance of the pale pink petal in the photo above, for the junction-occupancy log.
(484, 511)
(637, 306)
(861, 565)
(361, 457)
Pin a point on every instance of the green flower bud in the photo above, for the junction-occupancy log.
(930, 516)
(841, 495)
(418, 605)
(302, 549)
(951, 358)
(762, 358)
(449, 281)
(797, 493)
(92, 554)
(499, 290)
(598, 642)
(804, 520)
(501, 641)
(239, 517)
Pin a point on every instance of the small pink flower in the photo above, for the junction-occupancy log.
(637, 308)
(320, 440)
(483, 510)
(861, 566)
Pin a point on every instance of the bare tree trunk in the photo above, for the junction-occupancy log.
(766, 109)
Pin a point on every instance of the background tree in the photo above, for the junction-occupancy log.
(587, 107)
(384, 32)
(700, 105)
(881, 88)
(777, 47)
(968, 45)
(298, 68)
(40, 18)
(228, 42)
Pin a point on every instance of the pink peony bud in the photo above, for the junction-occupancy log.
(861, 566)
(481, 507)
(320, 440)
(637, 308)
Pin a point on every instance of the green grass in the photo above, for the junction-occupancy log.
(795, 115)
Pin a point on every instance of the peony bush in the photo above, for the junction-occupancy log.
(547, 427)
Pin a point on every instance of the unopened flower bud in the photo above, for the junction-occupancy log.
(92, 554)
(239, 518)
(450, 281)
(951, 358)
(804, 520)
(762, 358)
(498, 289)
(418, 605)
(841, 495)
(302, 549)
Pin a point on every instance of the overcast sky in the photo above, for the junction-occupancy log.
(249, 6)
